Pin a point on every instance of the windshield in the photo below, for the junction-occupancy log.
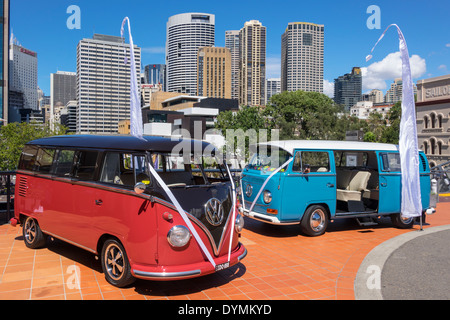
(269, 159)
(179, 171)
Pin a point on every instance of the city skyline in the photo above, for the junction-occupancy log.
(347, 37)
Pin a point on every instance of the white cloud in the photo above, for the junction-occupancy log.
(154, 50)
(376, 74)
(448, 45)
(442, 67)
(273, 67)
(328, 88)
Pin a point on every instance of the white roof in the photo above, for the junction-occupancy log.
(290, 145)
(195, 111)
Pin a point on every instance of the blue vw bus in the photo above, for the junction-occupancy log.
(327, 180)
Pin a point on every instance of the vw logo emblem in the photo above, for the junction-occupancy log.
(214, 212)
(249, 190)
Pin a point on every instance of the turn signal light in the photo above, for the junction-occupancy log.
(272, 211)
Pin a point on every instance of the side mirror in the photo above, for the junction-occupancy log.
(140, 187)
(306, 169)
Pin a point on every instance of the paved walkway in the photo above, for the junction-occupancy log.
(281, 264)
(412, 266)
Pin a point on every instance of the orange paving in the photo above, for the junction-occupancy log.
(281, 264)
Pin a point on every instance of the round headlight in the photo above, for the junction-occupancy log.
(179, 236)
(239, 223)
(267, 196)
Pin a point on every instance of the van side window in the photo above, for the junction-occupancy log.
(111, 168)
(351, 159)
(391, 162)
(28, 157)
(297, 166)
(311, 161)
(85, 165)
(121, 169)
(44, 160)
(64, 162)
(141, 169)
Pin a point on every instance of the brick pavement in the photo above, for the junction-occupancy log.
(281, 264)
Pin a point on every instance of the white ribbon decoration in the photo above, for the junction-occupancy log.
(183, 215)
(265, 183)
(233, 218)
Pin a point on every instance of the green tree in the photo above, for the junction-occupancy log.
(303, 115)
(15, 135)
(370, 137)
(391, 133)
(376, 125)
(246, 124)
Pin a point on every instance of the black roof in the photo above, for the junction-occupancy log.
(126, 142)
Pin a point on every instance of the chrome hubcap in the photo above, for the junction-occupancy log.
(406, 220)
(317, 220)
(114, 262)
(30, 230)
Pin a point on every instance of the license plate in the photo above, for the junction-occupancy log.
(222, 266)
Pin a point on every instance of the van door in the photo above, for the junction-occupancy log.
(117, 210)
(389, 182)
(311, 179)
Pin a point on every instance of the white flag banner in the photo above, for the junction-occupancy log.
(136, 123)
(408, 144)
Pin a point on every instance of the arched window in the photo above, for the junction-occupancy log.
(426, 122)
(440, 121)
(433, 120)
(439, 149)
(433, 145)
(425, 147)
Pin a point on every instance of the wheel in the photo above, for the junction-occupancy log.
(401, 222)
(115, 264)
(315, 221)
(32, 234)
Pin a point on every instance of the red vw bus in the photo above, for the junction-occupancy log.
(98, 193)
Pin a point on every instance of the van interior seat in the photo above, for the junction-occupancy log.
(351, 184)
(372, 191)
(177, 178)
(126, 178)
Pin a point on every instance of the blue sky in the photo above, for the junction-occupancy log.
(41, 26)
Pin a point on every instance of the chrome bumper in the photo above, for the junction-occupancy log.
(265, 218)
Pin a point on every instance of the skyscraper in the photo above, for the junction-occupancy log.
(302, 57)
(348, 88)
(273, 86)
(252, 64)
(4, 60)
(63, 88)
(155, 74)
(232, 43)
(214, 72)
(395, 92)
(186, 33)
(23, 82)
(103, 83)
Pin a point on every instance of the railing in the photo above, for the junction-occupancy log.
(7, 183)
